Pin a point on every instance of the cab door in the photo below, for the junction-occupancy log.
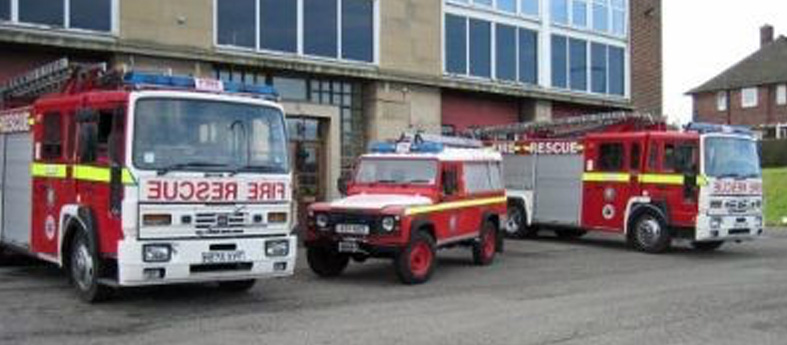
(50, 185)
(676, 186)
(608, 183)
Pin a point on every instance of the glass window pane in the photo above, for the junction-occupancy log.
(91, 14)
(319, 28)
(529, 7)
(358, 30)
(278, 25)
(507, 5)
(236, 22)
(580, 13)
(598, 71)
(47, 12)
(559, 11)
(528, 56)
(559, 62)
(617, 80)
(5, 9)
(290, 88)
(619, 22)
(456, 44)
(579, 66)
(600, 16)
(483, 2)
(480, 48)
(506, 52)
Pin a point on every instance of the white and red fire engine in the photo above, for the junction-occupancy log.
(129, 179)
(627, 173)
(408, 199)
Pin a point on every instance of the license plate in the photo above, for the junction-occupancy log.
(352, 229)
(348, 247)
(223, 257)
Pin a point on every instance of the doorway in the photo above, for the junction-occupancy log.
(308, 154)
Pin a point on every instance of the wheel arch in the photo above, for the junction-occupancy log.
(638, 206)
(523, 199)
(423, 224)
(75, 218)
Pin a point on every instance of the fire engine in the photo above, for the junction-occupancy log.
(406, 200)
(629, 174)
(131, 179)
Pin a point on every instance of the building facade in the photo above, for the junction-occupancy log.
(751, 93)
(353, 71)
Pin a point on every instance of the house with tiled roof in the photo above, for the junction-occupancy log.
(752, 92)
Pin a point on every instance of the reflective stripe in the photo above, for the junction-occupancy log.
(702, 180)
(99, 174)
(662, 179)
(454, 205)
(606, 177)
(48, 170)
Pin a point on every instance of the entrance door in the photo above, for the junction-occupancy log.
(307, 152)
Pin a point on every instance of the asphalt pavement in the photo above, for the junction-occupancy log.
(591, 291)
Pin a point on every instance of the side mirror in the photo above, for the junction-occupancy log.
(342, 184)
(115, 189)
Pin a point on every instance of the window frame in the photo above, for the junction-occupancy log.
(114, 21)
(721, 101)
(750, 92)
(781, 94)
(622, 160)
(53, 118)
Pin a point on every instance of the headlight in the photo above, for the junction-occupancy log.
(157, 219)
(321, 220)
(277, 248)
(156, 253)
(388, 224)
(715, 223)
(716, 204)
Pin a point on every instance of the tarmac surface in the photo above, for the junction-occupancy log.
(591, 291)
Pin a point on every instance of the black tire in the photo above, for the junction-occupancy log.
(84, 266)
(326, 262)
(706, 246)
(237, 285)
(648, 232)
(570, 234)
(485, 247)
(516, 226)
(416, 263)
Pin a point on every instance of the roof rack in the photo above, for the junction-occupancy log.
(571, 126)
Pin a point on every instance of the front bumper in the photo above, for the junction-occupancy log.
(728, 228)
(186, 263)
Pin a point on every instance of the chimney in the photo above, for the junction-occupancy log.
(766, 35)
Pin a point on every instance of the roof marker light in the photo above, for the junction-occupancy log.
(138, 79)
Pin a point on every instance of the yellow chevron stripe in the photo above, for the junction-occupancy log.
(606, 177)
(671, 179)
(48, 170)
(99, 174)
(454, 205)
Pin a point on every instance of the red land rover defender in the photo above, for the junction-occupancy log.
(408, 199)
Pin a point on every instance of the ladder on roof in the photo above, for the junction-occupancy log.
(571, 126)
(50, 78)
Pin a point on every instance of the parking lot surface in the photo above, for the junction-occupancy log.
(590, 291)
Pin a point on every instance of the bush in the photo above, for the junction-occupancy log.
(774, 153)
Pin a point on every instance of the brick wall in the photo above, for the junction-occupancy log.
(766, 111)
(646, 56)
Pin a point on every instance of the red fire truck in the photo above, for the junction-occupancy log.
(627, 173)
(408, 199)
(129, 179)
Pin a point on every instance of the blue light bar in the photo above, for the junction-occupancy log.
(427, 147)
(138, 79)
(705, 128)
(382, 147)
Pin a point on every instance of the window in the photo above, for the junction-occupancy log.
(529, 7)
(636, 156)
(598, 65)
(456, 44)
(617, 78)
(477, 178)
(91, 14)
(319, 28)
(749, 97)
(5, 9)
(449, 180)
(293, 89)
(278, 25)
(358, 30)
(507, 5)
(559, 11)
(236, 20)
(721, 100)
(506, 52)
(611, 157)
(781, 95)
(680, 158)
(559, 61)
(579, 13)
(480, 48)
(578, 55)
(600, 15)
(528, 56)
(619, 17)
(46, 12)
(487, 3)
(52, 145)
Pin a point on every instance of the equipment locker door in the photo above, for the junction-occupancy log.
(17, 189)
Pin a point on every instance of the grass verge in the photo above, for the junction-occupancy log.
(775, 190)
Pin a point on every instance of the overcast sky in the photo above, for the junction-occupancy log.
(702, 38)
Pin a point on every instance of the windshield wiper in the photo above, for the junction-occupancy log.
(257, 168)
(165, 170)
(417, 181)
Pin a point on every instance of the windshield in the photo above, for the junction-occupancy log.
(397, 171)
(731, 157)
(189, 134)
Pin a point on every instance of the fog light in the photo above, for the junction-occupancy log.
(715, 223)
(280, 266)
(277, 248)
(714, 233)
(156, 253)
(153, 273)
(277, 217)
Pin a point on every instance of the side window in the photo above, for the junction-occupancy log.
(686, 159)
(52, 143)
(105, 119)
(496, 179)
(636, 156)
(611, 157)
(653, 159)
(669, 158)
(477, 178)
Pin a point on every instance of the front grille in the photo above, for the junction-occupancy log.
(737, 206)
(206, 221)
(355, 218)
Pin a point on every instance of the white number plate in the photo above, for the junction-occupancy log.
(352, 229)
(223, 257)
(348, 247)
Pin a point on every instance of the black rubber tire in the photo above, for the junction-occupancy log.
(706, 246)
(326, 262)
(570, 234)
(402, 262)
(644, 237)
(480, 256)
(237, 285)
(83, 252)
(519, 224)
